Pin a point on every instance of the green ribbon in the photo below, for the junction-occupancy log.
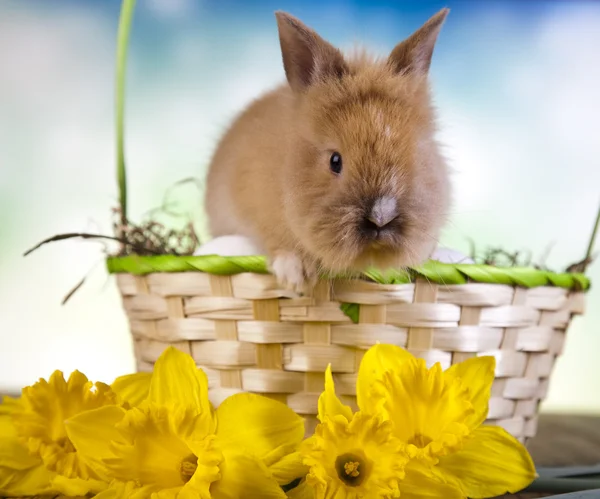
(433, 271)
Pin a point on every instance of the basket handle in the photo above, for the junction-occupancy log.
(125, 19)
(591, 244)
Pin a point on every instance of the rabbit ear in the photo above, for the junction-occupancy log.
(414, 54)
(307, 58)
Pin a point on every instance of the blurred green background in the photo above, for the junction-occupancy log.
(516, 84)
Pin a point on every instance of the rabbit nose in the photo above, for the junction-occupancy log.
(384, 210)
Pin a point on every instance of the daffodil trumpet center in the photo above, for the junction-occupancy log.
(420, 441)
(188, 467)
(352, 468)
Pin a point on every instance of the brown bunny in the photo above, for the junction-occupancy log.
(338, 170)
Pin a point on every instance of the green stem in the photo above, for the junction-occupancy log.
(562, 485)
(588, 255)
(125, 19)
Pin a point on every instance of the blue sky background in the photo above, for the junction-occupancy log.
(516, 84)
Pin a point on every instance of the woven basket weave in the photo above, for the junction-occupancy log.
(249, 335)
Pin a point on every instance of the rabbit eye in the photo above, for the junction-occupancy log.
(335, 163)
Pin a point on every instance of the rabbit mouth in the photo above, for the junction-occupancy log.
(381, 223)
(378, 237)
(382, 235)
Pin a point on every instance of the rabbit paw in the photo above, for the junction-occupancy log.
(292, 273)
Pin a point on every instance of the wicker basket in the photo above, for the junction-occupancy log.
(248, 335)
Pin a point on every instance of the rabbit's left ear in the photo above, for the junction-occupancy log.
(307, 57)
(414, 54)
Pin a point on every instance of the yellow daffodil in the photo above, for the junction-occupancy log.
(174, 444)
(132, 388)
(20, 472)
(439, 415)
(356, 455)
(36, 455)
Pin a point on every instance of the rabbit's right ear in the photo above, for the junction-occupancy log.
(307, 58)
(414, 54)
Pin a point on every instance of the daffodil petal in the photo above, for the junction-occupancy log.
(132, 388)
(177, 380)
(428, 408)
(302, 491)
(31, 482)
(7, 428)
(7, 475)
(91, 433)
(243, 475)
(477, 374)
(419, 483)
(490, 464)
(120, 490)
(13, 454)
(376, 361)
(8, 405)
(75, 487)
(197, 488)
(329, 404)
(288, 469)
(250, 422)
(174, 493)
(110, 493)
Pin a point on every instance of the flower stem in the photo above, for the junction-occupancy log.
(125, 19)
(562, 485)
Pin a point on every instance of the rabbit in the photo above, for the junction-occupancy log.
(337, 169)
